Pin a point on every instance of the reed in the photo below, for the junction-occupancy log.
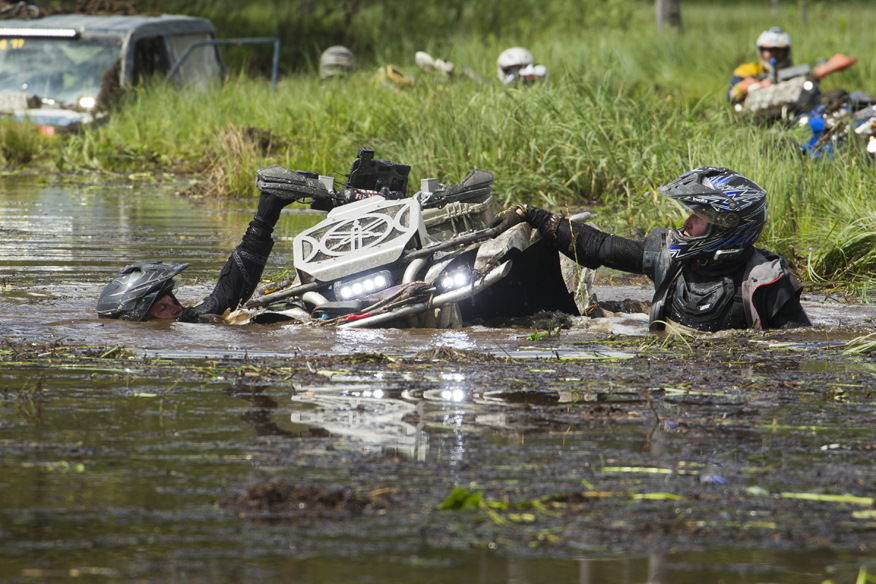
(626, 109)
(20, 144)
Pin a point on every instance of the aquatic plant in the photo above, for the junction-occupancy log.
(30, 398)
(863, 577)
(862, 345)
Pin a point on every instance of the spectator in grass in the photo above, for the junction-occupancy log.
(773, 53)
(516, 66)
(707, 273)
(335, 62)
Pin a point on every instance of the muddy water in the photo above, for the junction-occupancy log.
(654, 460)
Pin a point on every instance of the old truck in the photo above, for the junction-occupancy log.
(65, 69)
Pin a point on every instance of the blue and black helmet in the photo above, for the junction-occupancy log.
(735, 206)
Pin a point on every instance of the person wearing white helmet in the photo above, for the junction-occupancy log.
(336, 61)
(517, 66)
(773, 54)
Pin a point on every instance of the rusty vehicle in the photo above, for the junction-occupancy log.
(66, 69)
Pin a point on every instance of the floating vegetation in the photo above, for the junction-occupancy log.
(851, 499)
(278, 498)
(863, 577)
(452, 355)
(30, 398)
(863, 345)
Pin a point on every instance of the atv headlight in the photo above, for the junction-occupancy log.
(454, 280)
(363, 286)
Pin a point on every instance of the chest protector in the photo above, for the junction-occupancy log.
(706, 305)
(710, 301)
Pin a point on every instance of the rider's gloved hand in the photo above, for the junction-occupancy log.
(509, 217)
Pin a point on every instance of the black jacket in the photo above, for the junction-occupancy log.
(753, 289)
(240, 275)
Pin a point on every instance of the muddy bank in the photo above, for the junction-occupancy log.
(749, 443)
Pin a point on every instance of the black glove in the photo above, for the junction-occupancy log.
(508, 218)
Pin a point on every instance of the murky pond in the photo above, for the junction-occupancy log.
(161, 452)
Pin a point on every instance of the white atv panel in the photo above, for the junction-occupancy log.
(358, 236)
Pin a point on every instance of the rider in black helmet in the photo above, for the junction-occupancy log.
(145, 290)
(133, 293)
(707, 273)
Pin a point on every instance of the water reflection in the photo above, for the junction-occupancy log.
(379, 414)
(372, 421)
(89, 231)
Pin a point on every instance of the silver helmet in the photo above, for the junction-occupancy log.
(134, 290)
(735, 206)
(336, 61)
(510, 61)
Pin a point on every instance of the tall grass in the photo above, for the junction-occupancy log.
(20, 143)
(626, 109)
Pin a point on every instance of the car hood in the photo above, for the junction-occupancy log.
(15, 105)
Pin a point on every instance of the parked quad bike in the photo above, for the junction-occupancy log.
(383, 259)
(790, 91)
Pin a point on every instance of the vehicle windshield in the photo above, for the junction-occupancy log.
(65, 70)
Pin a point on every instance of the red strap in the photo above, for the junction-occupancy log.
(350, 317)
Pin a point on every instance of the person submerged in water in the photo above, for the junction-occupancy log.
(707, 274)
(144, 290)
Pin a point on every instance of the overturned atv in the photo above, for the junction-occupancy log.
(383, 259)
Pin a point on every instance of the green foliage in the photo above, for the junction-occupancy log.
(552, 331)
(626, 109)
(863, 345)
(20, 143)
(863, 577)
(462, 500)
(381, 30)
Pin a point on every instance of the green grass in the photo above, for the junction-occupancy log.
(626, 110)
(20, 144)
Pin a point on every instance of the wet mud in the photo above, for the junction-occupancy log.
(537, 450)
(637, 445)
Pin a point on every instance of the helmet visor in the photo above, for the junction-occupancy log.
(780, 54)
(722, 220)
(141, 311)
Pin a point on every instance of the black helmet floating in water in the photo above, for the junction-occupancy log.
(735, 206)
(135, 289)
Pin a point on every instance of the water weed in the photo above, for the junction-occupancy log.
(30, 399)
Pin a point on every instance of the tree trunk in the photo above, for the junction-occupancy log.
(668, 14)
